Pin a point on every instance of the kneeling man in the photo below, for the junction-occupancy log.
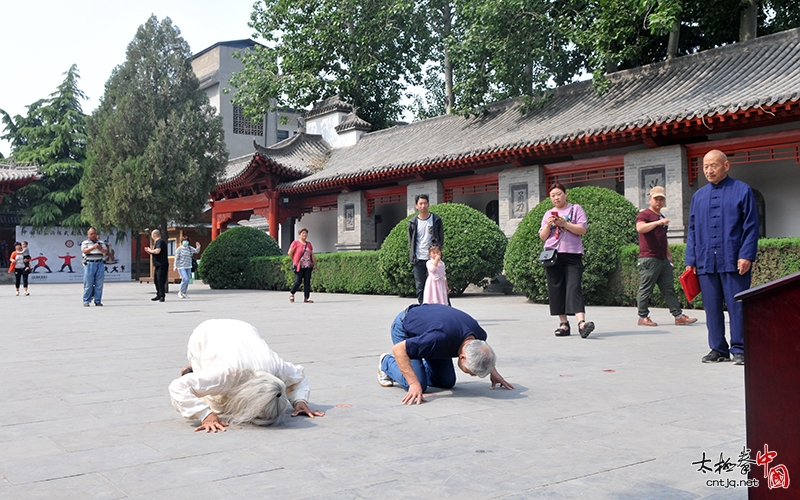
(425, 339)
(235, 378)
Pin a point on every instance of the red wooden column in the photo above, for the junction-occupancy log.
(273, 215)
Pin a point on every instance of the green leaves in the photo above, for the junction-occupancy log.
(53, 134)
(226, 261)
(156, 148)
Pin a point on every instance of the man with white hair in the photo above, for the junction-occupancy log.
(235, 378)
(425, 339)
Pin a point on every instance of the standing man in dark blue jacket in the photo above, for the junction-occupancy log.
(721, 247)
(423, 230)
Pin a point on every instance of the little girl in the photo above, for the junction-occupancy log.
(436, 284)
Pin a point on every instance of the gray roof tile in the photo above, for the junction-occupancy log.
(17, 172)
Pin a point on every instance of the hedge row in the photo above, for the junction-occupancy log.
(777, 257)
(340, 272)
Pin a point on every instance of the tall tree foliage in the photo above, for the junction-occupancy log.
(363, 50)
(156, 148)
(53, 134)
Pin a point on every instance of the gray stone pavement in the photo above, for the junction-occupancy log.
(85, 411)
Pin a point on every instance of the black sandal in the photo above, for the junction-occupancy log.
(563, 332)
(586, 329)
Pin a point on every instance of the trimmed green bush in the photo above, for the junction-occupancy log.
(611, 225)
(473, 250)
(340, 272)
(776, 258)
(226, 261)
(270, 273)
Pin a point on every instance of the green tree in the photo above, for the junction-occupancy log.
(53, 135)
(363, 51)
(156, 148)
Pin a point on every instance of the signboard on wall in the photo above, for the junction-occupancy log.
(56, 254)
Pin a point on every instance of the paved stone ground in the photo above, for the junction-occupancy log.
(621, 415)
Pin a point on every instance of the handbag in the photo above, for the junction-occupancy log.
(690, 284)
(549, 256)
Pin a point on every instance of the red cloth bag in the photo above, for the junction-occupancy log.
(690, 284)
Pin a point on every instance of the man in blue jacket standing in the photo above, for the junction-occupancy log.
(424, 229)
(721, 247)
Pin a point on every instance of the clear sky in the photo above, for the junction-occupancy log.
(39, 41)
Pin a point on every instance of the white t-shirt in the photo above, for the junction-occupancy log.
(424, 237)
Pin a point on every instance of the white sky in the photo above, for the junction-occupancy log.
(39, 41)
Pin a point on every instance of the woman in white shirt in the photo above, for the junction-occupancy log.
(236, 378)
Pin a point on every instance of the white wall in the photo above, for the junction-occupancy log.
(778, 182)
(321, 230)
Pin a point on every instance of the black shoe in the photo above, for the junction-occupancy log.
(586, 329)
(161, 299)
(563, 332)
(99, 304)
(716, 357)
(156, 298)
(738, 359)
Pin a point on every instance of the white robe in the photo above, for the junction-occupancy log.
(220, 351)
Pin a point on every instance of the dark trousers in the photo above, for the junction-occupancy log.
(717, 287)
(420, 276)
(564, 285)
(160, 279)
(654, 272)
(303, 274)
(20, 275)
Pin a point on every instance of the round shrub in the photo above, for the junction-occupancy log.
(611, 225)
(226, 261)
(473, 250)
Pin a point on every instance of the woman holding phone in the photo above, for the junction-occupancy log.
(562, 229)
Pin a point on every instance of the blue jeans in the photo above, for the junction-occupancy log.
(186, 274)
(430, 372)
(94, 274)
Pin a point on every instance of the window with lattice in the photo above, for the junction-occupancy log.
(242, 125)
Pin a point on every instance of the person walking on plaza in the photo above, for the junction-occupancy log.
(19, 265)
(436, 284)
(562, 229)
(721, 246)
(183, 264)
(160, 265)
(424, 230)
(302, 254)
(235, 378)
(426, 337)
(93, 251)
(655, 261)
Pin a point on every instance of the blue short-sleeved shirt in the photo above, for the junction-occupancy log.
(437, 331)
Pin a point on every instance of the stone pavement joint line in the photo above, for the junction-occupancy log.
(625, 413)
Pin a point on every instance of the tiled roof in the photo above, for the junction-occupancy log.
(10, 172)
(740, 76)
(353, 122)
(298, 156)
(333, 103)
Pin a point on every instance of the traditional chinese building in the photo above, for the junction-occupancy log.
(652, 127)
(12, 177)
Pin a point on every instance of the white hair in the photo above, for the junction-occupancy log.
(480, 358)
(260, 399)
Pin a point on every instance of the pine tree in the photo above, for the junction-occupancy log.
(156, 148)
(53, 135)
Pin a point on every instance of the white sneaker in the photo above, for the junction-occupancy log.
(181, 295)
(383, 378)
(17, 294)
